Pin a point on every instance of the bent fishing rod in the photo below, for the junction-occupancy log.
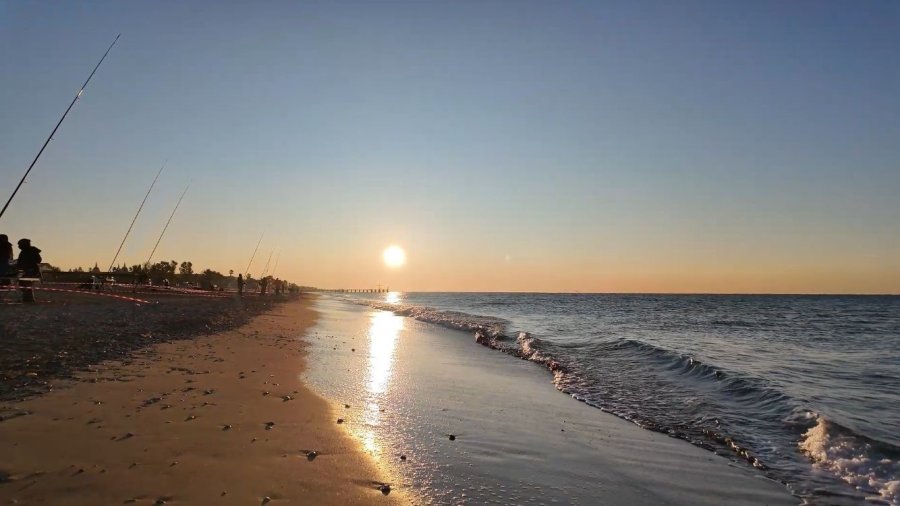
(277, 257)
(50, 137)
(136, 216)
(247, 272)
(266, 268)
(167, 224)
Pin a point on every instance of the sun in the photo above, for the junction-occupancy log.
(394, 256)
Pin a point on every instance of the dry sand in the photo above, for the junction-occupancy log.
(220, 419)
(65, 331)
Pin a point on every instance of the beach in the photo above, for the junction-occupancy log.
(197, 399)
(221, 417)
(461, 424)
(69, 329)
(450, 253)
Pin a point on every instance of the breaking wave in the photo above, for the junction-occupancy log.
(870, 466)
(734, 414)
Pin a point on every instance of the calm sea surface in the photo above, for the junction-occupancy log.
(804, 388)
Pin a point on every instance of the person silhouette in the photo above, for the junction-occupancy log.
(29, 263)
(6, 260)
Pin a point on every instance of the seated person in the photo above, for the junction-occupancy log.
(7, 261)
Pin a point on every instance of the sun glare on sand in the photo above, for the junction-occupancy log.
(394, 256)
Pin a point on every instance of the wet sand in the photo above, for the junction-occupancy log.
(409, 385)
(218, 419)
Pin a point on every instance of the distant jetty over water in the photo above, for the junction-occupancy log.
(379, 289)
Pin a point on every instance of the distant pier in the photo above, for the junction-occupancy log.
(380, 289)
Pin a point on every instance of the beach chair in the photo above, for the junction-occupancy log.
(32, 278)
(9, 280)
(16, 280)
(8, 286)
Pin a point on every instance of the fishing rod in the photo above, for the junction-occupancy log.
(50, 137)
(136, 216)
(254, 253)
(266, 268)
(167, 224)
(278, 257)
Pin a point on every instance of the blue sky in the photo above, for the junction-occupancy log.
(592, 146)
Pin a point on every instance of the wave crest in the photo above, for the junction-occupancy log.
(870, 466)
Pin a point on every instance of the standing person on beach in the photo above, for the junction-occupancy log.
(29, 263)
(240, 285)
(6, 259)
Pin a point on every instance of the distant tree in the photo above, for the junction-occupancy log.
(186, 269)
(212, 278)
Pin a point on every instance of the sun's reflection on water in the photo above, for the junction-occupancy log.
(383, 332)
(384, 329)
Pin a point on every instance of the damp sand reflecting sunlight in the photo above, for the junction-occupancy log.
(384, 330)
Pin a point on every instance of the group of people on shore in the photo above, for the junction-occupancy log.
(28, 264)
(279, 286)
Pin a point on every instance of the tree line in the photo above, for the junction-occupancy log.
(173, 271)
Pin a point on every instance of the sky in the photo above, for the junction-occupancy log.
(634, 146)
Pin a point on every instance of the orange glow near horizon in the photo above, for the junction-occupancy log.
(632, 264)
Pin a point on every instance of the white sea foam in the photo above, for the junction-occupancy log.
(488, 330)
(451, 319)
(853, 459)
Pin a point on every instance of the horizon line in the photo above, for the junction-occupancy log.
(807, 294)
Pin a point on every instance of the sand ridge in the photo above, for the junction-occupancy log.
(220, 419)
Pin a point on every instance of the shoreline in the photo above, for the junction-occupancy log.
(218, 418)
(516, 438)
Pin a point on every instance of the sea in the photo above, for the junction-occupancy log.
(804, 390)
